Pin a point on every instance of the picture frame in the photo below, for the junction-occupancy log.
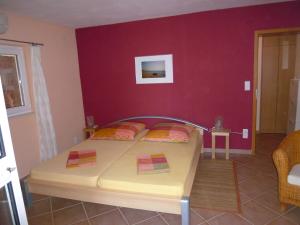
(154, 69)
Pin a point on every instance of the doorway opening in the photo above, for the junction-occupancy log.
(275, 66)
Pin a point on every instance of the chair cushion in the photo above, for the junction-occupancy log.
(294, 175)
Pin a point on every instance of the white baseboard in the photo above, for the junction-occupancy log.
(231, 151)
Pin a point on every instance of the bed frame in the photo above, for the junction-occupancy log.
(161, 203)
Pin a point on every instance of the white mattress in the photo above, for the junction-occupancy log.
(107, 151)
(122, 174)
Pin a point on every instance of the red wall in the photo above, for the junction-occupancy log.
(212, 57)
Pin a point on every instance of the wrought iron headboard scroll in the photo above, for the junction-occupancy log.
(162, 117)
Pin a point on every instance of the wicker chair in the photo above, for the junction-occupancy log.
(285, 157)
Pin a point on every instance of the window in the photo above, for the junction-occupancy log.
(13, 78)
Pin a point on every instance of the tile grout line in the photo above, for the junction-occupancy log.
(273, 219)
(281, 216)
(163, 219)
(103, 213)
(42, 199)
(267, 207)
(256, 197)
(216, 216)
(41, 214)
(191, 209)
(244, 218)
(123, 216)
(277, 215)
(85, 212)
(286, 212)
(51, 211)
(157, 215)
(66, 207)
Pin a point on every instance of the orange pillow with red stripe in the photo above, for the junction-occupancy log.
(119, 131)
(169, 132)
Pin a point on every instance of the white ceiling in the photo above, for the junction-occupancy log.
(84, 13)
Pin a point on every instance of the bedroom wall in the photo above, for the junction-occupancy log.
(60, 62)
(212, 57)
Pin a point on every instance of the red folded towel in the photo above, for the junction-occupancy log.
(81, 158)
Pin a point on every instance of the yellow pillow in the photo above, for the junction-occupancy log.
(119, 131)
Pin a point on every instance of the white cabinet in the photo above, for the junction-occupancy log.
(294, 106)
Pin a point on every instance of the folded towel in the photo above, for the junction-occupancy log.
(149, 164)
(81, 158)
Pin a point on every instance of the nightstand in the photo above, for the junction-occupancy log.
(90, 130)
(220, 132)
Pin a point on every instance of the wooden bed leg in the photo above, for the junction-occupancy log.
(185, 211)
(27, 195)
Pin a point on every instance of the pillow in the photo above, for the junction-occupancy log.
(188, 128)
(119, 131)
(294, 175)
(169, 132)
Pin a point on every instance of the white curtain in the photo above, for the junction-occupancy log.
(47, 139)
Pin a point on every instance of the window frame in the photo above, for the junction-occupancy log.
(26, 108)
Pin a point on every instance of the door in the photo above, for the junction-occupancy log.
(278, 65)
(12, 210)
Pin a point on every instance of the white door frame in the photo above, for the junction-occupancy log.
(258, 88)
(8, 169)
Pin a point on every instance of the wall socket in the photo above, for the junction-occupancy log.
(245, 133)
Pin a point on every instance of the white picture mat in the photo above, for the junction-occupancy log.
(168, 60)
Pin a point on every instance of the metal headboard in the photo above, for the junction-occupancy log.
(162, 117)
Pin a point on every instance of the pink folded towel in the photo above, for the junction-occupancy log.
(81, 158)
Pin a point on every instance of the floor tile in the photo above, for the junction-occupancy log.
(111, 218)
(244, 198)
(256, 186)
(82, 223)
(227, 219)
(293, 215)
(176, 219)
(5, 213)
(206, 213)
(37, 197)
(270, 199)
(69, 215)
(39, 207)
(59, 203)
(153, 221)
(93, 209)
(256, 213)
(136, 215)
(45, 219)
(281, 221)
(244, 172)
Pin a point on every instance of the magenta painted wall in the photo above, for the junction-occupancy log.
(212, 57)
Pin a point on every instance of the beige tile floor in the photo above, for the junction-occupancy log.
(257, 180)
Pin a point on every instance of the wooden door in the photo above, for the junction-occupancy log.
(270, 57)
(286, 72)
(278, 64)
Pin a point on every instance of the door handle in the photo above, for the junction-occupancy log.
(10, 169)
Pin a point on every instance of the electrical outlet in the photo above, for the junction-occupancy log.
(247, 85)
(245, 133)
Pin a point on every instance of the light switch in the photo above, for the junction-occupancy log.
(247, 85)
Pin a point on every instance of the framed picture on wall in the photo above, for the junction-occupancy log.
(154, 69)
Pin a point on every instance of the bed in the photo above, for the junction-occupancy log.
(109, 183)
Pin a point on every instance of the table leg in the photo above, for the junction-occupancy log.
(227, 147)
(213, 146)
